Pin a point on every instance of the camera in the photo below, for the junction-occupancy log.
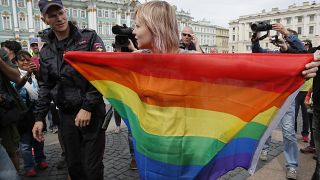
(4, 55)
(123, 34)
(274, 39)
(43, 32)
(261, 26)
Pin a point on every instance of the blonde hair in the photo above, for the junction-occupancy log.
(160, 18)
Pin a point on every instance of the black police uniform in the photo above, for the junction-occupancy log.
(71, 92)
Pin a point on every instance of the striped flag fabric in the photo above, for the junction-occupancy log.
(195, 116)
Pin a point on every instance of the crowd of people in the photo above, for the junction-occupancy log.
(34, 84)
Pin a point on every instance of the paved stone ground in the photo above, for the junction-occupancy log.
(117, 160)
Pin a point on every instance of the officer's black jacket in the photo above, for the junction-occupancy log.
(60, 82)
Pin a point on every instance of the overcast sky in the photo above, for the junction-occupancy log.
(220, 12)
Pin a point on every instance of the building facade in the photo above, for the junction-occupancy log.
(209, 36)
(21, 20)
(305, 19)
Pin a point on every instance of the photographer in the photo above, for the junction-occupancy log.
(9, 137)
(288, 44)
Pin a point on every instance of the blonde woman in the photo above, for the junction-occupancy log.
(156, 27)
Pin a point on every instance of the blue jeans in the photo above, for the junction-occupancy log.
(289, 137)
(7, 169)
(27, 142)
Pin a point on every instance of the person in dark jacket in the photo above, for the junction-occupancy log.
(288, 43)
(81, 107)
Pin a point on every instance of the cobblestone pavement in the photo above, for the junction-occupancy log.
(117, 159)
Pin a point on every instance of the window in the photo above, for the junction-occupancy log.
(99, 13)
(68, 11)
(248, 47)
(22, 22)
(20, 3)
(288, 20)
(299, 19)
(277, 20)
(311, 18)
(311, 29)
(37, 23)
(83, 25)
(299, 30)
(82, 14)
(106, 13)
(267, 45)
(250, 35)
(108, 29)
(35, 4)
(233, 29)
(100, 28)
(5, 2)
(123, 15)
(74, 13)
(113, 14)
(6, 22)
(233, 37)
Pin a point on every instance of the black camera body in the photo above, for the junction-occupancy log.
(123, 34)
(274, 39)
(4, 55)
(261, 26)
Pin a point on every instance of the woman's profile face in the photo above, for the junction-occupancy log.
(143, 35)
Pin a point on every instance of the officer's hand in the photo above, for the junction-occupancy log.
(37, 131)
(83, 118)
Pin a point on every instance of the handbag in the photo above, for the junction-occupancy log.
(15, 112)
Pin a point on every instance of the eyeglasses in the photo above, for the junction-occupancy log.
(184, 34)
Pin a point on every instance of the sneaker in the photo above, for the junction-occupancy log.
(117, 130)
(133, 164)
(43, 165)
(314, 157)
(264, 155)
(291, 173)
(55, 130)
(308, 149)
(305, 138)
(31, 173)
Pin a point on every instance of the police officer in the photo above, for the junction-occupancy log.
(81, 106)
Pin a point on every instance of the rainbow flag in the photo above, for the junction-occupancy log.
(195, 115)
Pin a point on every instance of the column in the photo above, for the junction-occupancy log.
(118, 16)
(30, 17)
(92, 16)
(305, 26)
(15, 16)
(128, 17)
(317, 28)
